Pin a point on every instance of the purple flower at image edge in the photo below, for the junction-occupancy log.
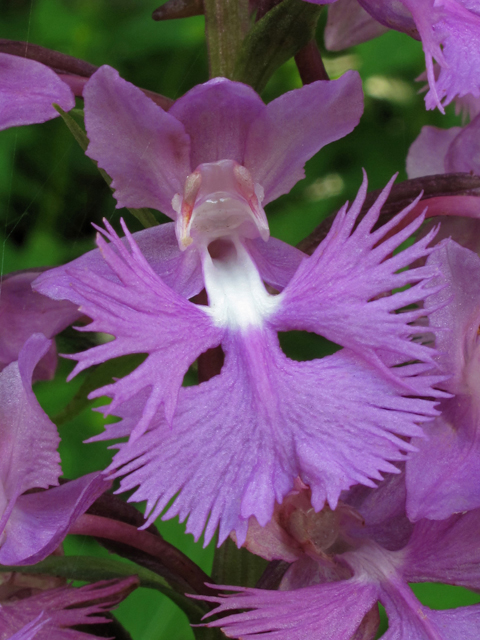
(49, 615)
(33, 524)
(449, 31)
(28, 90)
(375, 565)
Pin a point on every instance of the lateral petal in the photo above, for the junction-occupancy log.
(144, 149)
(292, 128)
(348, 24)
(180, 270)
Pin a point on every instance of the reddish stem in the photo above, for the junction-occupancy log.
(58, 61)
(177, 563)
(175, 9)
(73, 71)
(310, 64)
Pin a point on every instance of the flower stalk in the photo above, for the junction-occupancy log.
(226, 24)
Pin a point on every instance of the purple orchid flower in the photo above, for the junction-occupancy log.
(28, 89)
(32, 525)
(444, 477)
(24, 312)
(334, 422)
(51, 614)
(335, 590)
(307, 419)
(449, 31)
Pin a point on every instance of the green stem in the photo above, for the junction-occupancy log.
(226, 24)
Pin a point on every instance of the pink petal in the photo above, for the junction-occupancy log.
(464, 151)
(348, 25)
(40, 521)
(27, 91)
(456, 314)
(23, 312)
(142, 148)
(28, 439)
(445, 551)
(217, 116)
(295, 126)
(383, 509)
(392, 14)
(443, 478)
(276, 261)
(427, 154)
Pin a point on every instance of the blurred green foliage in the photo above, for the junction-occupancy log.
(50, 194)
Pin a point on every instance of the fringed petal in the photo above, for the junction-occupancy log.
(145, 316)
(316, 612)
(344, 290)
(334, 422)
(64, 608)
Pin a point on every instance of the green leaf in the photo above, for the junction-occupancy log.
(99, 376)
(75, 122)
(274, 39)
(93, 569)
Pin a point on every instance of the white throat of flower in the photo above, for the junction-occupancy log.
(237, 296)
(220, 208)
